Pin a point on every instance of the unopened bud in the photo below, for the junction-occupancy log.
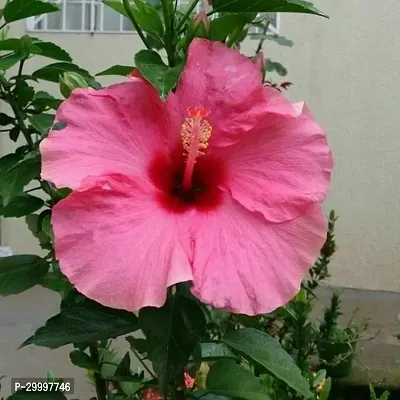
(259, 60)
(70, 81)
(201, 375)
(202, 20)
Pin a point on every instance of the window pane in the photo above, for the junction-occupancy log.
(127, 25)
(54, 21)
(86, 25)
(73, 17)
(111, 20)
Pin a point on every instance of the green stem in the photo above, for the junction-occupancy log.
(169, 31)
(18, 112)
(260, 44)
(2, 26)
(101, 384)
(235, 34)
(187, 14)
(135, 24)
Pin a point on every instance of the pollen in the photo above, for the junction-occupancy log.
(195, 133)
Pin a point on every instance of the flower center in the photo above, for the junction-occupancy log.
(195, 133)
(189, 179)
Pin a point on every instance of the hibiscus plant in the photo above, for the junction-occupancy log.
(193, 185)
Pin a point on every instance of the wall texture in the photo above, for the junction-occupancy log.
(346, 69)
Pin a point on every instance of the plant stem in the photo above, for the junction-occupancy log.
(187, 14)
(135, 24)
(260, 44)
(169, 31)
(2, 26)
(235, 34)
(17, 111)
(140, 359)
(101, 384)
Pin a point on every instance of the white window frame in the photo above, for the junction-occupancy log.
(33, 21)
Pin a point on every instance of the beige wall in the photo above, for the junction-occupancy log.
(347, 69)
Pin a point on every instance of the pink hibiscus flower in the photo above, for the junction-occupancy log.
(220, 185)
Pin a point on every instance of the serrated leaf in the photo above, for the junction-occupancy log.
(268, 353)
(53, 72)
(50, 50)
(21, 205)
(227, 378)
(83, 322)
(293, 6)
(20, 9)
(121, 70)
(152, 67)
(20, 273)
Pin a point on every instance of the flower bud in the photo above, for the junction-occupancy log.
(202, 20)
(70, 81)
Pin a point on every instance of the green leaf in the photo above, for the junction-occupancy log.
(172, 333)
(227, 378)
(121, 70)
(83, 360)
(24, 93)
(20, 273)
(223, 26)
(34, 223)
(11, 44)
(42, 100)
(53, 72)
(21, 9)
(294, 6)
(83, 322)
(14, 133)
(211, 351)
(275, 66)
(117, 6)
(21, 205)
(47, 227)
(262, 349)
(42, 122)
(5, 119)
(9, 61)
(148, 18)
(156, 72)
(139, 345)
(17, 177)
(50, 50)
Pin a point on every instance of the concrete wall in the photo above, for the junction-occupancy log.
(346, 69)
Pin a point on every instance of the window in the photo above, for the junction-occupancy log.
(81, 16)
(94, 16)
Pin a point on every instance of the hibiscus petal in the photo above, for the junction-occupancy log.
(117, 246)
(112, 130)
(281, 168)
(230, 86)
(245, 264)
